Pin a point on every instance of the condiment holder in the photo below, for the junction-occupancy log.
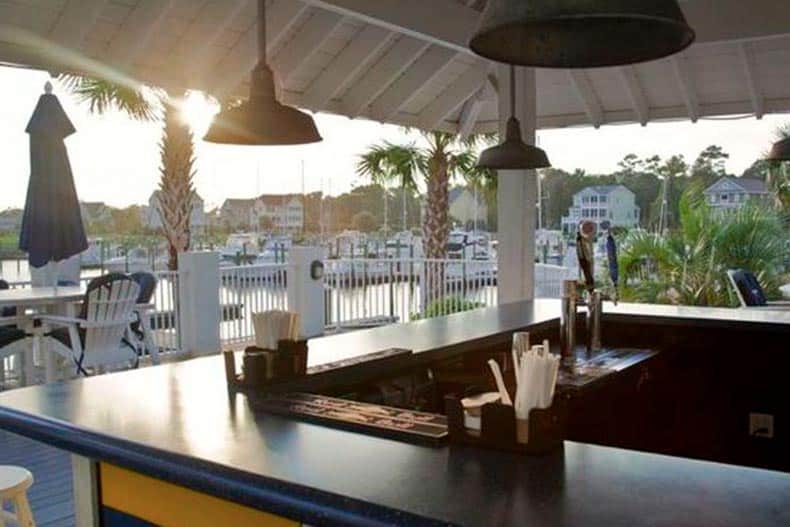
(262, 367)
(499, 427)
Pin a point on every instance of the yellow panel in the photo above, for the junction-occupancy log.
(169, 505)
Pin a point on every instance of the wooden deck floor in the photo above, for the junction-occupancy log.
(51, 493)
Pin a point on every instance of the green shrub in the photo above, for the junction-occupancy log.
(447, 306)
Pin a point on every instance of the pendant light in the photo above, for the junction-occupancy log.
(262, 120)
(513, 153)
(780, 151)
(580, 33)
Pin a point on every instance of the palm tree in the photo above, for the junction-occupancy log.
(688, 265)
(388, 163)
(778, 180)
(176, 192)
(444, 157)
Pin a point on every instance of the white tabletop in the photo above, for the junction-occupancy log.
(29, 296)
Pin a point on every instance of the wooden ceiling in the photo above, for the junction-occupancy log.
(400, 61)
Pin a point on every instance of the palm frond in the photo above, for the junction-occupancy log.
(102, 96)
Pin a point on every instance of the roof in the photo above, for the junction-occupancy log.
(396, 61)
(603, 189)
(277, 200)
(238, 203)
(749, 185)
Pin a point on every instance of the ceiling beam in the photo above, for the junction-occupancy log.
(346, 66)
(687, 86)
(470, 113)
(746, 54)
(586, 92)
(136, 32)
(411, 83)
(636, 93)
(239, 61)
(394, 62)
(75, 21)
(453, 97)
(713, 20)
(452, 28)
(202, 35)
(311, 37)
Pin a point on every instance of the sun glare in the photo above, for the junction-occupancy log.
(198, 111)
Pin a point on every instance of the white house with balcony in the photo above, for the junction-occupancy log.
(280, 212)
(729, 194)
(613, 203)
(197, 217)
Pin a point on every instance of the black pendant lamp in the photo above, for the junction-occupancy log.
(513, 153)
(780, 151)
(262, 120)
(580, 33)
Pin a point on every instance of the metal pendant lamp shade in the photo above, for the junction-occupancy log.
(513, 153)
(780, 151)
(262, 120)
(580, 33)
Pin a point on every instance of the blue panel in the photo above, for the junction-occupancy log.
(113, 518)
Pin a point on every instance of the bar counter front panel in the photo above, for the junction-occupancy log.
(175, 431)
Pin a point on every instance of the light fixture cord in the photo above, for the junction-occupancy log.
(261, 33)
(512, 90)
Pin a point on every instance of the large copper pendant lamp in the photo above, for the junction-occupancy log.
(780, 151)
(513, 153)
(580, 33)
(262, 120)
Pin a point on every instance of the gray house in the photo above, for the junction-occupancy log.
(613, 203)
(730, 193)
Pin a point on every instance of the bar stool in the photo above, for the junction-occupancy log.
(14, 482)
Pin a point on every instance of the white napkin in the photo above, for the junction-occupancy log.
(273, 326)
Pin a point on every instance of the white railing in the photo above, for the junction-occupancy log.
(368, 292)
(245, 290)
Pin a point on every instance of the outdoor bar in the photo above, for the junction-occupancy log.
(570, 411)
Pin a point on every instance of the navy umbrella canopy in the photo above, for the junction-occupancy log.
(52, 227)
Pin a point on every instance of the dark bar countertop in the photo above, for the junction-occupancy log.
(178, 423)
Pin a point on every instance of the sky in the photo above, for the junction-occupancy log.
(116, 160)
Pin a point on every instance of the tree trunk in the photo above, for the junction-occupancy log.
(436, 227)
(176, 193)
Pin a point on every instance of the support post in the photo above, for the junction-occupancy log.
(305, 293)
(198, 302)
(517, 196)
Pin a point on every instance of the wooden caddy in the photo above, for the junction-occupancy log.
(264, 367)
(498, 427)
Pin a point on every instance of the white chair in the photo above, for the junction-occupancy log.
(14, 482)
(98, 337)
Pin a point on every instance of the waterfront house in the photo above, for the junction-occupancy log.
(238, 214)
(197, 218)
(613, 203)
(279, 212)
(729, 194)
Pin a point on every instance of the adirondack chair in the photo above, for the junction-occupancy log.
(749, 291)
(97, 338)
(141, 335)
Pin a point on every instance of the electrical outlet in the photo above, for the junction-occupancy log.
(761, 425)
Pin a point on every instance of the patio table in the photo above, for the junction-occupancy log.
(44, 298)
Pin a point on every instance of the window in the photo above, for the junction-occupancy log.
(601, 213)
(585, 199)
(593, 199)
(602, 199)
(725, 197)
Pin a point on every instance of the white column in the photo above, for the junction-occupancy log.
(198, 302)
(305, 293)
(517, 195)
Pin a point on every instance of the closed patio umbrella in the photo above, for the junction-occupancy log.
(52, 228)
